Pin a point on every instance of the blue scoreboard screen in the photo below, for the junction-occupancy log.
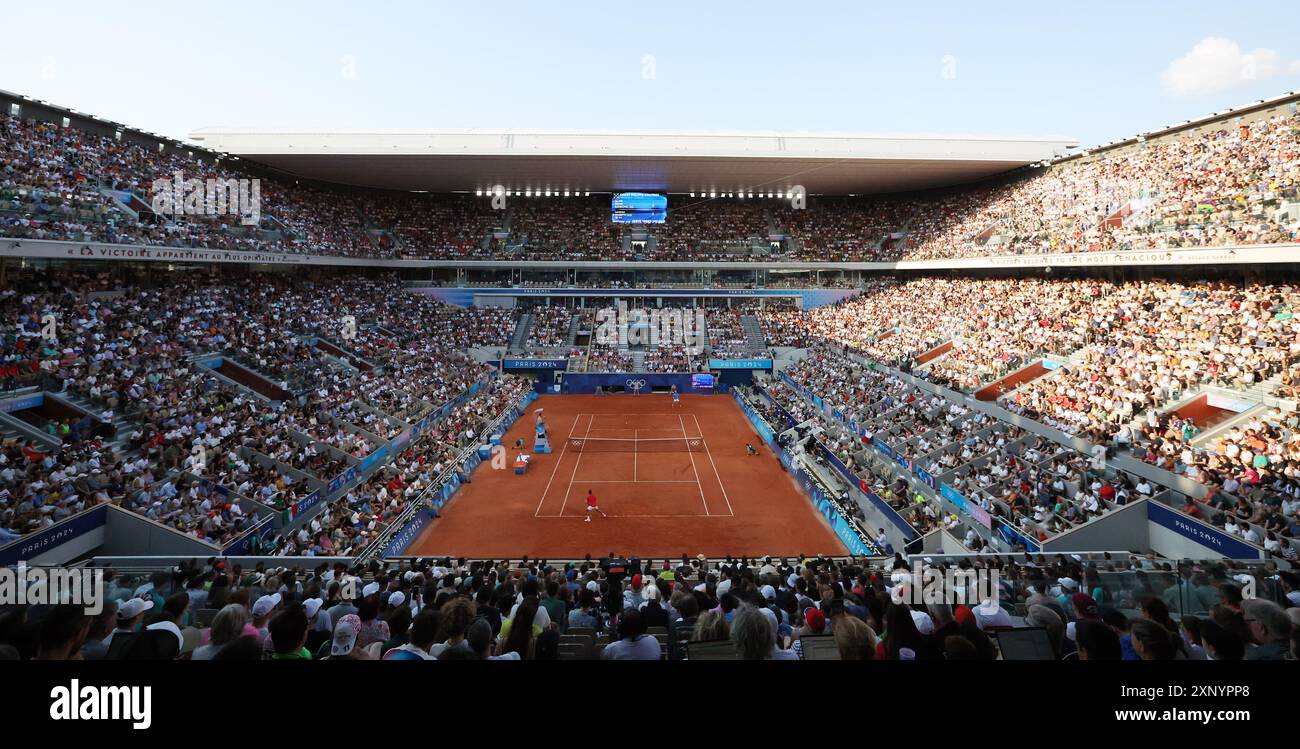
(639, 208)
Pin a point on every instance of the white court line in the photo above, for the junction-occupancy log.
(721, 485)
(642, 481)
(569, 488)
(570, 517)
(697, 473)
(629, 415)
(564, 449)
(635, 432)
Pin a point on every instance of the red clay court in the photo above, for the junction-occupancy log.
(672, 480)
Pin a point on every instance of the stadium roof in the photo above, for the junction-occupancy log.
(674, 162)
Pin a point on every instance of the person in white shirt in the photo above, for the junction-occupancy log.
(1252, 535)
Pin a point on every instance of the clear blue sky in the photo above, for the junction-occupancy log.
(1092, 71)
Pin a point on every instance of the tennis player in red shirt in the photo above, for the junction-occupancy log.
(591, 507)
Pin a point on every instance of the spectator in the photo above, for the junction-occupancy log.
(1270, 630)
(633, 644)
(227, 626)
(289, 630)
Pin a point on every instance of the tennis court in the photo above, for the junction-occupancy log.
(644, 465)
(670, 480)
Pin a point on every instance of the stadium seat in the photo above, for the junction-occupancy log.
(717, 650)
(819, 648)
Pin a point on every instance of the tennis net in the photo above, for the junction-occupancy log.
(637, 445)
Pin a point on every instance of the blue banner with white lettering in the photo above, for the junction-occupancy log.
(243, 546)
(1211, 538)
(35, 400)
(297, 509)
(856, 545)
(535, 364)
(38, 542)
(343, 479)
(740, 364)
(408, 533)
(370, 460)
(1013, 536)
(977, 513)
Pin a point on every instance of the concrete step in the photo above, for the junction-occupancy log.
(573, 331)
(8, 434)
(522, 330)
(753, 332)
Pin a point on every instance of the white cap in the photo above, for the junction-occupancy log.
(133, 608)
(924, 624)
(266, 604)
(397, 599)
(768, 592)
(724, 586)
(345, 638)
(311, 606)
(371, 588)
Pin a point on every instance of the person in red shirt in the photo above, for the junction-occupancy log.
(593, 507)
(32, 454)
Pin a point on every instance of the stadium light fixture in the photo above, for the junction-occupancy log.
(712, 194)
(528, 193)
(479, 192)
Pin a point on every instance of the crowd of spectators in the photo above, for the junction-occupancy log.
(1125, 351)
(1039, 487)
(608, 358)
(550, 327)
(728, 337)
(1216, 185)
(686, 609)
(137, 352)
(367, 510)
(1219, 184)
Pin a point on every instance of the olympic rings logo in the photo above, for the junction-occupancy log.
(636, 384)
